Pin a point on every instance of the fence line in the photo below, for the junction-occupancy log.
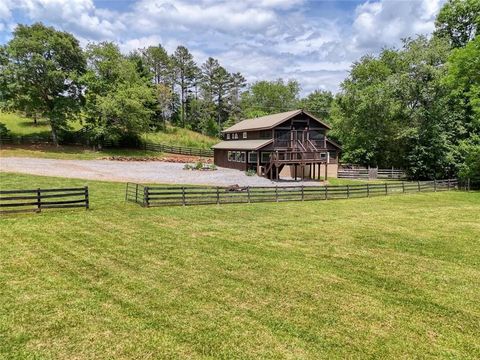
(182, 150)
(168, 196)
(35, 200)
(370, 173)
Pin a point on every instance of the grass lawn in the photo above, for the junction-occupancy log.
(70, 152)
(386, 277)
(177, 136)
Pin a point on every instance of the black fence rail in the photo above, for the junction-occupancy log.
(36, 200)
(178, 150)
(135, 193)
(169, 196)
(345, 172)
(24, 139)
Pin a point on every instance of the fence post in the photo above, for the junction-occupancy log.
(218, 195)
(434, 185)
(418, 185)
(448, 184)
(403, 186)
(136, 193)
(39, 200)
(146, 202)
(326, 192)
(302, 193)
(368, 190)
(386, 189)
(183, 196)
(276, 193)
(468, 184)
(348, 191)
(87, 199)
(248, 193)
(126, 192)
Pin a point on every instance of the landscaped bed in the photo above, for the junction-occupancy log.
(383, 277)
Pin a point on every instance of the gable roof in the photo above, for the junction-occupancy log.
(269, 121)
(242, 144)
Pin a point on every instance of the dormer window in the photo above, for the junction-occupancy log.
(244, 135)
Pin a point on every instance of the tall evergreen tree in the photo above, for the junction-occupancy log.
(185, 69)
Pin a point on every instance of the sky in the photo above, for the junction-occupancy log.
(314, 42)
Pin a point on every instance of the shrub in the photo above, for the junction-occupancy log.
(250, 172)
(199, 165)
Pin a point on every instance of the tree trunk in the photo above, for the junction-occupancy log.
(54, 136)
(35, 119)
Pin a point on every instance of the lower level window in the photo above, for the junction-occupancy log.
(252, 157)
(237, 156)
(265, 157)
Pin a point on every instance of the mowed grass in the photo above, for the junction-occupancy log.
(386, 277)
(71, 152)
(19, 125)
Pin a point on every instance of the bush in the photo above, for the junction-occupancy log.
(250, 172)
(3, 130)
(199, 165)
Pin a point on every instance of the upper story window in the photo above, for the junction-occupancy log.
(235, 136)
(244, 135)
(266, 134)
(228, 136)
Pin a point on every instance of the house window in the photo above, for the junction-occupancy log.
(244, 135)
(231, 156)
(265, 157)
(234, 136)
(228, 136)
(240, 156)
(266, 134)
(252, 157)
(323, 155)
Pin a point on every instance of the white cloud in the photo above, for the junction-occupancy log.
(263, 39)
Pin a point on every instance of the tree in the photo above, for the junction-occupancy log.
(458, 21)
(164, 98)
(236, 85)
(269, 97)
(44, 67)
(117, 96)
(319, 103)
(159, 64)
(184, 73)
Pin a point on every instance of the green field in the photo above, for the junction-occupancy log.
(386, 277)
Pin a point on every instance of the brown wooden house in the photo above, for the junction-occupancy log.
(289, 144)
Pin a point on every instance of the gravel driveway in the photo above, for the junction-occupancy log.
(133, 171)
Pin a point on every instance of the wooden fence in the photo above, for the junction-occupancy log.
(370, 173)
(178, 150)
(168, 196)
(35, 200)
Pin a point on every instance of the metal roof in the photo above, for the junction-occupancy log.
(269, 121)
(242, 144)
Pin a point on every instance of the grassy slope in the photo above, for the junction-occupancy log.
(70, 152)
(379, 277)
(19, 125)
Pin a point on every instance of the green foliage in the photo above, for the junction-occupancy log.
(42, 67)
(117, 96)
(250, 172)
(458, 21)
(269, 97)
(470, 152)
(3, 130)
(319, 103)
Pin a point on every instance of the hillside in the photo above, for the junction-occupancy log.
(20, 126)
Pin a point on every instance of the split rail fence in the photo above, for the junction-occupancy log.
(36, 200)
(371, 173)
(169, 196)
(178, 150)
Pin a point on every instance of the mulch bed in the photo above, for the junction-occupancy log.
(182, 159)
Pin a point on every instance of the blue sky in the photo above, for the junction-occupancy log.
(314, 42)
